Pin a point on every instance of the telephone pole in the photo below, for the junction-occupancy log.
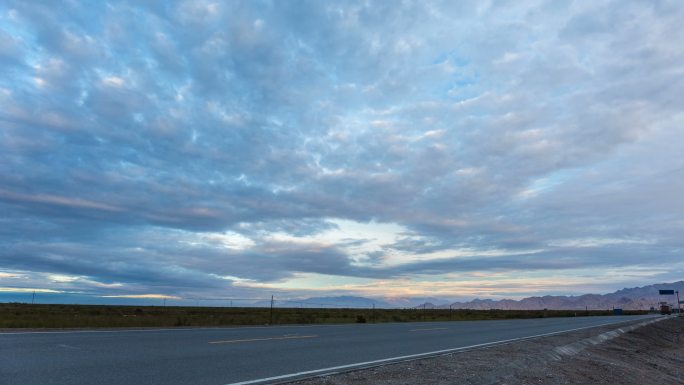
(33, 298)
(271, 318)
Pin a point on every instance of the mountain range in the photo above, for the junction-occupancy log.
(636, 298)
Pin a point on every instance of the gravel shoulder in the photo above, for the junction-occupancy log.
(651, 354)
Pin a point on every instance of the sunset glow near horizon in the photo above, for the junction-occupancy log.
(384, 149)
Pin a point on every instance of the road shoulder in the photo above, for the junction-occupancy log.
(652, 354)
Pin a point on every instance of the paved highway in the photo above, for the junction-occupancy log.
(232, 355)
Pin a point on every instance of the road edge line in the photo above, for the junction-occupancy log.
(411, 357)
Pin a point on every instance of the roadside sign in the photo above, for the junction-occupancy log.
(666, 292)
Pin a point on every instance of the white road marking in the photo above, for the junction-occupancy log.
(185, 329)
(411, 356)
(261, 339)
(69, 347)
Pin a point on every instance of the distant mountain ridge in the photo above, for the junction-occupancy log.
(345, 301)
(636, 298)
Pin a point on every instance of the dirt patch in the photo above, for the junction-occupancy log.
(652, 354)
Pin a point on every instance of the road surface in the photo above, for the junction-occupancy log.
(221, 356)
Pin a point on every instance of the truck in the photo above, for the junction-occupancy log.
(665, 309)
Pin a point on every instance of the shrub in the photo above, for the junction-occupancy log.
(180, 321)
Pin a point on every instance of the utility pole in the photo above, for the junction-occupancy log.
(33, 298)
(679, 307)
(450, 313)
(373, 313)
(271, 321)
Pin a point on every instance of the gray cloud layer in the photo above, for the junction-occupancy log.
(550, 131)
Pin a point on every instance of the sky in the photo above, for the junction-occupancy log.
(387, 149)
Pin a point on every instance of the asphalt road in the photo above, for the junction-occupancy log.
(231, 355)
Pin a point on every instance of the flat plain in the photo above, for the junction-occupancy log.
(20, 315)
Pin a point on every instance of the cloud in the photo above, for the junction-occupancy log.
(182, 147)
